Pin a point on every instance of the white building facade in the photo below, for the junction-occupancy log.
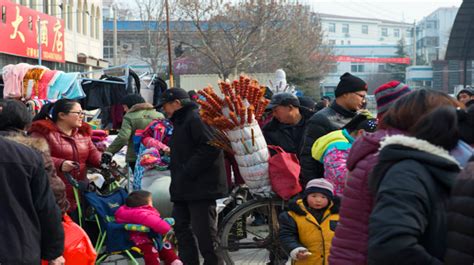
(362, 46)
(83, 33)
(433, 34)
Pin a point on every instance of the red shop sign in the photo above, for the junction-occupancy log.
(19, 33)
(405, 60)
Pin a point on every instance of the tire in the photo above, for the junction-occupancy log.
(244, 243)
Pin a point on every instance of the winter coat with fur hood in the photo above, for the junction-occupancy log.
(78, 147)
(57, 185)
(137, 118)
(349, 245)
(408, 224)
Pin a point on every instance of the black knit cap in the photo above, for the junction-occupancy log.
(349, 84)
(132, 99)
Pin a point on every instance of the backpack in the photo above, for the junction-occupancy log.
(284, 170)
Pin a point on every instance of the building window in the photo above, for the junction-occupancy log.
(85, 13)
(381, 67)
(45, 6)
(342, 42)
(92, 22)
(4, 14)
(332, 42)
(97, 23)
(70, 15)
(332, 27)
(345, 28)
(333, 68)
(79, 17)
(357, 68)
(23, 2)
(384, 32)
(396, 33)
(365, 29)
(348, 42)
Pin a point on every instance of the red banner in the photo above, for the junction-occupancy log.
(19, 32)
(351, 59)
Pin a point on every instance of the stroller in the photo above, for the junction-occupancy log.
(113, 237)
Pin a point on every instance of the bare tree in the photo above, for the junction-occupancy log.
(233, 36)
(153, 42)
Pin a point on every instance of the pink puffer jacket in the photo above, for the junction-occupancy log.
(349, 245)
(143, 215)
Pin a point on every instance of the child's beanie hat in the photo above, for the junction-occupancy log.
(319, 185)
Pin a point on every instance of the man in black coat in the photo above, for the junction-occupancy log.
(30, 220)
(198, 178)
(288, 123)
(350, 97)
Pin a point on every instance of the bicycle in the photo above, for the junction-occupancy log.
(241, 241)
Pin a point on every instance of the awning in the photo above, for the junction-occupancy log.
(461, 40)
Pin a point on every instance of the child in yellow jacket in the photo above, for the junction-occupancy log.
(306, 232)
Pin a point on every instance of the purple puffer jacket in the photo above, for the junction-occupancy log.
(349, 245)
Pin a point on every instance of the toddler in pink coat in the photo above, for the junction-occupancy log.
(138, 209)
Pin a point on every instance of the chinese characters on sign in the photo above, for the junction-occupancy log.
(27, 28)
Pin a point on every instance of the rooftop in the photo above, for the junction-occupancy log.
(362, 18)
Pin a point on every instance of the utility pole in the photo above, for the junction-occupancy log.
(114, 9)
(168, 33)
(414, 42)
(39, 41)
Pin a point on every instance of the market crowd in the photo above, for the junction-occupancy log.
(392, 188)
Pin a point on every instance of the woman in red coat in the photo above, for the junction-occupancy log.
(69, 139)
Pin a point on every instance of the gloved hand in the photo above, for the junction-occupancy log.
(106, 159)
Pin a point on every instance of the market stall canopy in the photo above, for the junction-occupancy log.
(461, 40)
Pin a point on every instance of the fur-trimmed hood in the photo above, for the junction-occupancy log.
(45, 127)
(434, 159)
(141, 106)
(39, 144)
(418, 144)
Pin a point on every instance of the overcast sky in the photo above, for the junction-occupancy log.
(401, 10)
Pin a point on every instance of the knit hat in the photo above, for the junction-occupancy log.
(349, 84)
(320, 186)
(132, 99)
(466, 90)
(388, 93)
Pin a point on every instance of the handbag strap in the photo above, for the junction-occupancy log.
(276, 148)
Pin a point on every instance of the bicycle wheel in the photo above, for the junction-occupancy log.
(245, 240)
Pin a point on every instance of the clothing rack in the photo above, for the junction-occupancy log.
(103, 81)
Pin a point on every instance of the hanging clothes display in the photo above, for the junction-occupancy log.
(31, 82)
(65, 85)
(13, 78)
(159, 87)
(43, 84)
(101, 93)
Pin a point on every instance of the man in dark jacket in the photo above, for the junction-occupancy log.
(198, 178)
(289, 121)
(30, 221)
(350, 97)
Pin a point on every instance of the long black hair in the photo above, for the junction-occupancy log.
(51, 111)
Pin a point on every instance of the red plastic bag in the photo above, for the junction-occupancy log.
(78, 249)
(284, 170)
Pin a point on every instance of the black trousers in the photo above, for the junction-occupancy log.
(197, 218)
